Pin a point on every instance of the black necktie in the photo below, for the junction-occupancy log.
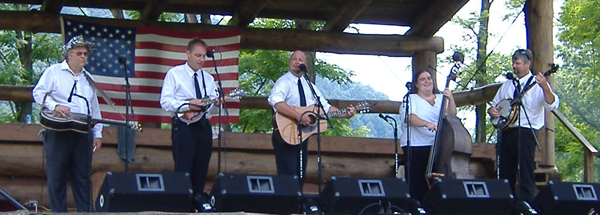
(302, 97)
(197, 86)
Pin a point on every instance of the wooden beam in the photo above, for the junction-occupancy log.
(252, 38)
(246, 11)
(153, 9)
(16, 93)
(52, 6)
(476, 96)
(343, 17)
(438, 13)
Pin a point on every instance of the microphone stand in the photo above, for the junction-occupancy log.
(395, 126)
(406, 102)
(521, 204)
(319, 108)
(224, 106)
(128, 106)
(90, 143)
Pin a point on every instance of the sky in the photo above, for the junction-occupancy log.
(390, 74)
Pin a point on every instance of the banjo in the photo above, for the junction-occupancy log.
(509, 108)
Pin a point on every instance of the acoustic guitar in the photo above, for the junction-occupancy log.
(509, 107)
(287, 127)
(77, 122)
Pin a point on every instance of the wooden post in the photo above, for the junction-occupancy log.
(538, 22)
(425, 60)
(588, 164)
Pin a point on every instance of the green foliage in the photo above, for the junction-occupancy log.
(14, 46)
(164, 17)
(579, 30)
(577, 84)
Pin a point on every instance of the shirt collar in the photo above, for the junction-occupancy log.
(65, 66)
(191, 71)
(525, 78)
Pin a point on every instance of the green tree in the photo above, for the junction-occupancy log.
(577, 84)
(23, 55)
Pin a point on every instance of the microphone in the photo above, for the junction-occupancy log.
(72, 92)
(210, 53)
(302, 68)
(408, 84)
(122, 59)
(383, 117)
(510, 76)
(457, 56)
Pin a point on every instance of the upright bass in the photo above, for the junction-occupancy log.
(452, 148)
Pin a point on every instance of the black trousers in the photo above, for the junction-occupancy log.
(509, 160)
(418, 168)
(68, 154)
(192, 148)
(287, 157)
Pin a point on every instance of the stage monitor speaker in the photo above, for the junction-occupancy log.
(133, 192)
(346, 195)
(277, 194)
(469, 197)
(567, 198)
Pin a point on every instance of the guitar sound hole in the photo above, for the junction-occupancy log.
(313, 119)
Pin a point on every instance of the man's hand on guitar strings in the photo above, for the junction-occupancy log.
(197, 105)
(493, 111)
(63, 111)
(218, 100)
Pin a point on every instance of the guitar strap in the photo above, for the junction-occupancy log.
(98, 90)
(522, 88)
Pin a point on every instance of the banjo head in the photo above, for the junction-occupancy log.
(505, 108)
(505, 113)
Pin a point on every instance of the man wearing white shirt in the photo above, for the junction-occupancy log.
(539, 98)
(285, 93)
(68, 153)
(192, 143)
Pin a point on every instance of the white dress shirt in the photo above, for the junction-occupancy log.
(420, 136)
(286, 90)
(533, 100)
(57, 82)
(178, 88)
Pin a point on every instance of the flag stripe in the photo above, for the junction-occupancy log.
(183, 48)
(153, 61)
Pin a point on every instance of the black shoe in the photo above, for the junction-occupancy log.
(202, 203)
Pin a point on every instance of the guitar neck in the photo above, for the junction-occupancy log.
(336, 113)
(109, 121)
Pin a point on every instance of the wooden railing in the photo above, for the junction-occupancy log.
(589, 151)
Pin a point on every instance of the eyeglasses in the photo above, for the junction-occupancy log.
(79, 54)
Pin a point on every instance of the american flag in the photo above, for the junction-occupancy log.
(148, 52)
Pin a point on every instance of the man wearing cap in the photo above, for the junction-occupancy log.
(64, 88)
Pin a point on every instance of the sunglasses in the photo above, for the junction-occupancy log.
(524, 52)
(79, 54)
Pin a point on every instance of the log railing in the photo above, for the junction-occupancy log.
(589, 151)
(471, 97)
